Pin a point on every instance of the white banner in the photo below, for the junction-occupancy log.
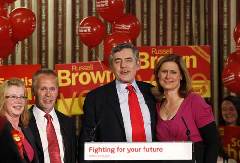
(138, 151)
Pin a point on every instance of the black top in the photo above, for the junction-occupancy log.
(8, 148)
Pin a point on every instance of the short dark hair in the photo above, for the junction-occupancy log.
(185, 83)
(122, 46)
(43, 71)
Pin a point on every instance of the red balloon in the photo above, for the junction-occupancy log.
(238, 44)
(236, 33)
(5, 29)
(128, 24)
(231, 73)
(237, 53)
(91, 31)
(110, 10)
(2, 2)
(6, 48)
(9, 1)
(3, 10)
(111, 41)
(23, 22)
(6, 45)
(233, 58)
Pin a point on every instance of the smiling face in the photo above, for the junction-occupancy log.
(169, 76)
(125, 65)
(46, 92)
(15, 101)
(229, 113)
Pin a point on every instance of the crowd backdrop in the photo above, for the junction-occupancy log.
(163, 22)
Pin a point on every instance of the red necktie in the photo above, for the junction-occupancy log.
(138, 132)
(53, 148)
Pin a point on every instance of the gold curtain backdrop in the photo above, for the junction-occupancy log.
(163, 22)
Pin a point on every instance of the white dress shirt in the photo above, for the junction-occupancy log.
(123, 100)
(42, 124)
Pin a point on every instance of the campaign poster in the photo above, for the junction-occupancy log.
(196, 58)
(77, 79)
(23, 72)
(230, 138)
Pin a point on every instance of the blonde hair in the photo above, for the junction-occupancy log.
(24, 118)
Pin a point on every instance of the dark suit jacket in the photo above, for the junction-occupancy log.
(8, 148)
(67, 128)
(102, 120)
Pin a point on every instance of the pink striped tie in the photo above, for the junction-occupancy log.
(53, 147)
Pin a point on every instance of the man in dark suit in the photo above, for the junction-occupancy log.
(48, 124)
(107, 112)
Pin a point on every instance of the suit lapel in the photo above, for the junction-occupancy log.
(64, 132)
(113, 100)
(27, 135)
(8, 139)
(145, 93)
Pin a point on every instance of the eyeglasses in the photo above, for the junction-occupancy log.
(13, 97)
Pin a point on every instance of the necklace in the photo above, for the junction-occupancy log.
(170, 111)
(169, 114)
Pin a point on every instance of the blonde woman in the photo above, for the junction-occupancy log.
(16, 140)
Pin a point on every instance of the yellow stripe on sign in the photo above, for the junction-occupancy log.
(199, 51)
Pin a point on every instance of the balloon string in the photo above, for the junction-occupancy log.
(98, 59)
(91, 53)
(100, 62)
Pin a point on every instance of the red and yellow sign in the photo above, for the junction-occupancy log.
(197, 60)
(24, 72)
(75, 80)
(230, 137)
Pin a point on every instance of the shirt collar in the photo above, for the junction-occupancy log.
(41, 113)
(121, 87)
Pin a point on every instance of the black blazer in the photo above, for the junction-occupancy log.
(8, 148)
(102, 119)
(67, 128)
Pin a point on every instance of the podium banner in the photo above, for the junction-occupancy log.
(138, 151)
